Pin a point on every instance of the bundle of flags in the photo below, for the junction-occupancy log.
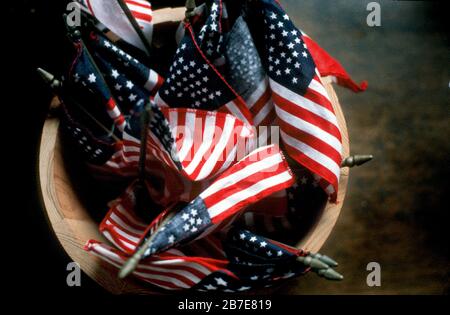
(208, 179)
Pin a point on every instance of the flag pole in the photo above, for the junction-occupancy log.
(135, 25)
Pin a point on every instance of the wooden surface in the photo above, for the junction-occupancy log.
(73, 225)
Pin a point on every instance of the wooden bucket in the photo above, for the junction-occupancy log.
(73, 223)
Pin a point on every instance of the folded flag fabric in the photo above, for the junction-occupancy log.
(245, 72)
(260, 174)
(250, 261)
(309, 127)
(193, 82)
(140, 74)
(111, 15)
(86, 75)
(172, 270)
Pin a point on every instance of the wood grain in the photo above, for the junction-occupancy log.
(74, 226)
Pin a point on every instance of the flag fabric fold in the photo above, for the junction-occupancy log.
(309, 127)
(194, 82)
(260, 174)
(111, 15)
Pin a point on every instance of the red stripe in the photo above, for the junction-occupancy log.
(146, 5)
(312, 165)
(306, 115)
(142, 16)
(314, 142)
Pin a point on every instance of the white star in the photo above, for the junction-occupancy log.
(199, 221)
(294, 80)
(303, 180)
(273, 16)
(297, 65)
(262, 244)
(287, 71)
(107, 44)
(117, 87)
(269, 253)
(286, 17)
(213, 26)
(192, 63)
(114, 74)
(183, 46)
(242, 236)
(295, 54)
(185, 216)
(171, 239)
(186, 227)
(252, 239)
(279, 253)
(220, 281)
(254, 278)
(192, 221)
(210, 287)
(244, 288)
(194, 212)
(194, 229)
(214, 7)
(132, 97)
(130, 85)
(304, 54)
(114, 48)
(92, 78)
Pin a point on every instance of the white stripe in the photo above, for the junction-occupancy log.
(184, 263)
(188, 141)
(251, 191)
(139, 9)
(123, 225)
(304, 102)
(152, 81)
(263, 113)
(142, 2)
(319, 88)
(233, 109)
(180, 272)
(309, 128)
(312, 153)
(123, 244)
(174, 281)
(158, 100)
(247, 171)
(132, 240)
(217, 154)
(256, 95)
(208, 133)
(122, 210)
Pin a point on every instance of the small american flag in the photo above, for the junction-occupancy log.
(124, 64)
(309, 127)
(194, 82)
(86, 75)
(260, 174)
(111, 15)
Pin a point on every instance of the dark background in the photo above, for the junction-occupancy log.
(396, 209)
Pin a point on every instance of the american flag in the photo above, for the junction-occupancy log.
(248, 261)
(245, 72)
(111, 15)
(86, 75)
(122, 63)
(309, 127)
(193, 82)
(260, 174)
